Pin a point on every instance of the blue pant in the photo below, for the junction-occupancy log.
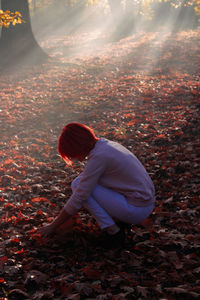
(106, 205)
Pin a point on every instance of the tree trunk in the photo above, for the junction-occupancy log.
(17, 44)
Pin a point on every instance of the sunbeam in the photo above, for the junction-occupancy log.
(91, 26)
(89, 29)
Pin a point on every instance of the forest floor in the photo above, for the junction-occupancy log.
(143, 92)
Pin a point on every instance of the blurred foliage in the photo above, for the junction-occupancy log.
(148, 7)
(143, 8)
(7, 17)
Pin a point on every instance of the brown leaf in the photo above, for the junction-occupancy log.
(183, 292)
(17, 294)
(43, 295)
(84, 289)
(35, 277)
(142, 291)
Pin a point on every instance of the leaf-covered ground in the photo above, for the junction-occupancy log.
(143, 92)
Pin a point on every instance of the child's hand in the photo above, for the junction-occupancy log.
(46, 230)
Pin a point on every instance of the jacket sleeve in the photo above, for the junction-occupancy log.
(94, 169)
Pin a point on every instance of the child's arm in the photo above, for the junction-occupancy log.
(59, 220)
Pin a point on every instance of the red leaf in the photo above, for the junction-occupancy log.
(160, 136)
(15, 240)
(41, 199)
(130, 123)
(20, 251)
(194, 92)
(3, 259)
(39, 212)
(8, 161)
(9, 205)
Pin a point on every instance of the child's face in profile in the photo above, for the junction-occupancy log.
(78, 157)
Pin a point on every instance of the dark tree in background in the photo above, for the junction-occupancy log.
(17, 44)
(181, 18)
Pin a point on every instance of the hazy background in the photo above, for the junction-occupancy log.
(82, 27)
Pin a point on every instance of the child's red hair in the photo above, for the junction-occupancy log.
(76, 140)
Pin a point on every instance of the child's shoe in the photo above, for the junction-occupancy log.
(110, 241)
(124, 226)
